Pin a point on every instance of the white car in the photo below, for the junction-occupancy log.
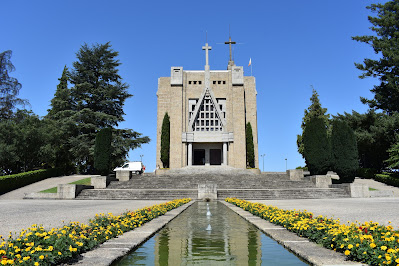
(134, 167)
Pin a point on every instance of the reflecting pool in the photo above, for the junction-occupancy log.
(210, 234)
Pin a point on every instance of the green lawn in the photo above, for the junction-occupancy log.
(372, 189)
(85, 181)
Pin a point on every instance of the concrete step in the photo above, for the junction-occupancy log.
(120, 194)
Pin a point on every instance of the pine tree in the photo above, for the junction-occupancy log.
(385, 43)
(62, 100)
(102, 151)
(317, 148)
(314, 110)
(345, 160)
(393, 160)
(9, 88)
(250, 146)
(165, 141)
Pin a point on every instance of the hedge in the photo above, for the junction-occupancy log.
(389, 179)
(11, 182)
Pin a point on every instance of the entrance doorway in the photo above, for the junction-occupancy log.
(199, 157)
(215, 156)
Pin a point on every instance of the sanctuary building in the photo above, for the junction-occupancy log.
(208, 112)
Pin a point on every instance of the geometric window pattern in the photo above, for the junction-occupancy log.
(207, 118)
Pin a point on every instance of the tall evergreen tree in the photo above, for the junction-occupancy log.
(9, 87)
(249, 138)
(317, 148)
(98, 95)
(165, 141)
(62, 101)
(314, 110)
(393, 160)
(102, 151)
(345, 160)
(385, 43)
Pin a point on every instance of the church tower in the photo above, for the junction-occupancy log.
(208, 111)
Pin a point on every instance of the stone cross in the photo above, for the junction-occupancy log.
(230, 43)
(206, 48)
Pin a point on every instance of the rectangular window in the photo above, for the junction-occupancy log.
(207, 115)
(200, 82)
(207, 108)
(202, 122)
(214, 82)
(195, 82)
(216, 123)
(189, 82)
(224, 82)
(211, 115)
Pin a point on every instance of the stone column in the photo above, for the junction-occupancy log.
(224, 153)
(190, 154)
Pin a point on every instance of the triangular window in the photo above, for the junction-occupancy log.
(207, 118)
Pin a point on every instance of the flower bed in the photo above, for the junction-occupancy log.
(37, 246)
(368, 242)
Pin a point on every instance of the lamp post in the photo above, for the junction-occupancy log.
(285, 164)
(141, 157)
(263, 162)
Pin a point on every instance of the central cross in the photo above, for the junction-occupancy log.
(206, 48)
(230, 43)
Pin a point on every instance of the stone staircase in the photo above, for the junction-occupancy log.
(238, 184)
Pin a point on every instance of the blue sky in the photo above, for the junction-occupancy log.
(293, 45)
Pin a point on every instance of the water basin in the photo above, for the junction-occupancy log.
(210, 234)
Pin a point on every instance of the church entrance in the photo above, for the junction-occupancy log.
(199, 157)
(215, 156)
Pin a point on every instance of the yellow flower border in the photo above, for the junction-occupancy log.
(369, 242)
(37, 246)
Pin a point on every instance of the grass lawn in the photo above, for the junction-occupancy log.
(85, 181)
(372, 189)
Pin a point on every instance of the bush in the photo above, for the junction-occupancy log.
(102, 151)
(366, 172)
(344, 157)
(391, 179)
(165, 141)
(317, 148)
(11, 182)
(250, 146)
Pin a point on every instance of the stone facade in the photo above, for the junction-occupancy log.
(208, 111)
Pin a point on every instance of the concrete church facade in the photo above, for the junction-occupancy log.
(208, 111)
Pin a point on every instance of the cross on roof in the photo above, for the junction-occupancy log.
(206, 48)
(230, 43)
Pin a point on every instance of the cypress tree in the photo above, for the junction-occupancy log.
(344, 151)
(102, 151)
(250, 146)
(165, 141)
(317, 148)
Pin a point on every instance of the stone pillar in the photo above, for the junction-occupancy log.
(190, 154)
(224, 153)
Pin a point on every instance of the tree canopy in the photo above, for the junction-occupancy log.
(250, 146)
(165, 141)
(314, 110)
(9, 87)
(385, 43)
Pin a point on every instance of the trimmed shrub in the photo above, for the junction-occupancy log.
(165, 141)
(317, 148)
(366, 172)
(102, 151)
(11, 182)
(387, 178)
(344, 157)
(250, 146)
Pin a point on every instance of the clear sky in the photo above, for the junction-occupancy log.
(293, 45)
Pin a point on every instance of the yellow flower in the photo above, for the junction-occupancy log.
(350, 246)
(36, 263)
(372, 245)
(26, 258)
(41, 257)
(383, 248)
(347, 252)
(59, 253)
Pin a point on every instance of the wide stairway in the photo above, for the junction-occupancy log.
(240, 184)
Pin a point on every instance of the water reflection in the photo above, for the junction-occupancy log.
(231, 241)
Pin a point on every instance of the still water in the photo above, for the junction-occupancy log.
(210, 234)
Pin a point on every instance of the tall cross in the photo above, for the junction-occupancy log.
(230, 43)
(206, 48)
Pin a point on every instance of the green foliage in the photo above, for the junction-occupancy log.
(314, 110)
(375, 134)
(317, 148)
(389, 179)
(393, 160)
(344, 151)
(249, 146)
(21, 140)
(304, 168)
(11, 182)
(9, 87)
(385, 42)
(165, 141)
(102, 151)
(368, 173)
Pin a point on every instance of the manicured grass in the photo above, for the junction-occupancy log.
(85, 181)
(372, 189)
